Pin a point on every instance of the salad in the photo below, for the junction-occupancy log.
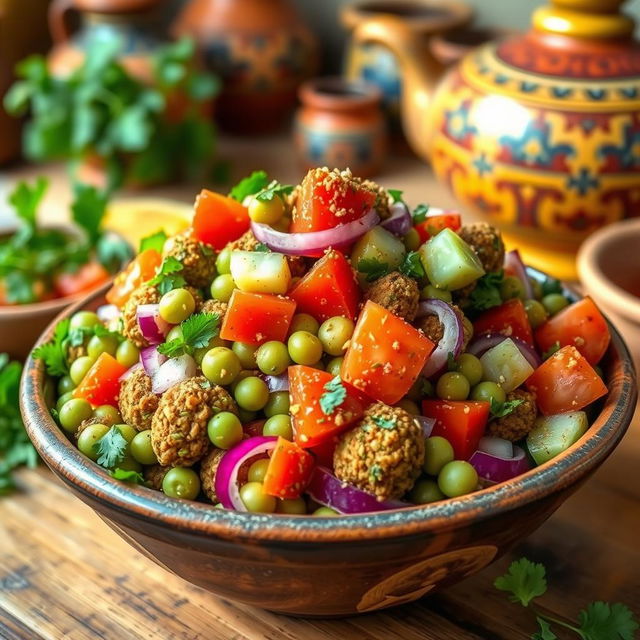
(324, 348)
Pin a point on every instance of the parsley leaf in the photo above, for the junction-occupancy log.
(525, 580)
(274, 189)
(88, 210)
(167, 278)
(127, 475)
(54, 353)
(412, 266)
(502, 409)
(154, 241)
(334, 395)
(249, 186)
(261, 248)
(545, 631)
(551, 350)
(395, 194)
(384, 423)
(376, 472)
(113, 252)
(197, 331)
(26, 199)
(372, 268)
(604, 621)
(420, 213)
(486, 293)
(111, 448)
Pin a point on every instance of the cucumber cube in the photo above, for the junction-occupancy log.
(259, 272)
(379, 245)
(505, 365)
(551, 435)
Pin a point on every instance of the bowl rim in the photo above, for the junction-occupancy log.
(199, 519)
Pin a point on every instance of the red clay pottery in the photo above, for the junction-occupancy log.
(340, 124)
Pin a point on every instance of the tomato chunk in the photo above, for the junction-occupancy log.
(565, 382)
(462, 423)
(385, 355)
(432, 224)
(257, 317)
(327, 200)
(580, 325)
(329, 289)
(510, 319)
(289, 470)
(138, 271)
(218, 219)
(87, 278)
(101, 384)
(311, 425)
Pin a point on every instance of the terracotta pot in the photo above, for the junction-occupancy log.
(262, 51)
(339, 565)
(340, 124)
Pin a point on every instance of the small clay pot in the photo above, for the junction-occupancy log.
(341, 125)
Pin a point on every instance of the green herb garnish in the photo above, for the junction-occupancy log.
(197, 331)
(111, 448)
(412, 266)
(551, 285)
(168, 275)
(395, 195)
(54, 352)
(261, 248)
(486, 293)
(273, 190)
(384, 423)
(250, 185)
(420, 213)
(155, 241)
(554, 348)
(372, 268)
(502, 409)
(126, 475)
(334, 395)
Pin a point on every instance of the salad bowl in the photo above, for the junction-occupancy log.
(342, 565)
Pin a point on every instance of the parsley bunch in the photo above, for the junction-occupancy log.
(374, 269)
(197, 331)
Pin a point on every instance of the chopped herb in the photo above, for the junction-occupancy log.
(375, 471)
(502, 409)
(334, 395)
(452, 364)
(197, 331)
(395, 195)
(26, 199)
(420, 213)
(551, 350)
(77, 336)
(412, 266)
(551, 285)
(274, 189)
(88, 210)
(167, 275)
(127, 475)
(111, 448)
(261, 248)
(250, 185)
(154, 241)
(113, 251)
(384, 423)
(486, 293)
(54, 353)
(372, 268)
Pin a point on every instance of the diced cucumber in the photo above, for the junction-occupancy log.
(260, 272)
(505, 365)
(380, 245)
(450, 263)
(551, 435)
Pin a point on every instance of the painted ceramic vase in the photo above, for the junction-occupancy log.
(262, 51)
(340, 124)
(538, 133)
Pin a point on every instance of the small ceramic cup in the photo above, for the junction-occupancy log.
(340, 125)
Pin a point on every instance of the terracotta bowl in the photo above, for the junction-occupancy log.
(331, 566)
(609, 269)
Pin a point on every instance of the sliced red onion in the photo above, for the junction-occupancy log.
(151, 360)
(152, 326)
(107, 312)
(495, 469)
(498, 447)
(452, 339)
(327, 490)
(226, 480)
(426, 423)
(483, 343)
(129, 371)
(277, 383)
(313, 243)
(399, 222)
(172, 372)
(513, 262)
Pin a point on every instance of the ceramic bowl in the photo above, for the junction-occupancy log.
(609, 268)
(331, 566)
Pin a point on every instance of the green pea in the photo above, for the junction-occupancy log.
(334, 335)
(412, 240)
(245, 373)
(292, 506)
(221, 366)
(278, 425)
(127, 354)
(223, 262)
(272, 358)
(324, 512)
(452, 386)
(84, 320)
(129, 463)
(511, 287)
(201, 352)
(334, 366)
(73, 413)
(255, 499)
(181, 482)
(251, 393)
(102, 344)
(266, 211)
(176, 305)
(409, 406)
(258, 470)
(304, 348)
(141, 448)
(317, 365)
(246, 416)
(304, 322)
(107, 414)
(277, 404)
(425, 491)
(79, 368)
(485, 391)
(554, 302)
(470, 367)
(225, 430)
(89, 437)
(430, 292)
(175, 333)
(63, 399)
(65, 384)
(536, 312)
(457, 478)
(437, 452)
(246, 353)
(127, 431)
(222, 287)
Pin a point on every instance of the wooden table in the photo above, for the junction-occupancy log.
(64, 575)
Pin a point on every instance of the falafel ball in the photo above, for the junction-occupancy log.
(520, 421)
(246, 242)
(397, 293)
(214, 306)
(383, 454)
(208, 467)
(87, 423)
(197, 258)
(137, 402)
(179, 426)
(431, 326)
(154, 475)
(144, 294)
(487, 242)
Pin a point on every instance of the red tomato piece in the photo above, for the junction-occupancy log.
(328, 289)
(311, 425)
(87, 278)
(323, 453)
(139, 271)
(327, 200)
(431, 225)
(289, 470)
(101, 384)
(580, 325)
(219, 219)
(257, 317)
(565, 382)
(461, 422)
(385, 355)
(510, 319)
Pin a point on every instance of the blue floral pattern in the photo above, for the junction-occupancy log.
(627, 153)
(534, 146)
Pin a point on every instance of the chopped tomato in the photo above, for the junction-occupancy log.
(257, 317)
(311, 425)
(581, 325)
(323, 453)
(565, 382)
(328, 289)
(510, 319)
(385, 354)
(461, 422)
(327, 200)
(101, 384)
(87, 278)
(289, 470)
(139, 271)
(431, 225)
(218, 219)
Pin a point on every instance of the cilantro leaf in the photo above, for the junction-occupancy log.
(604, 621)
(154, 241)
(384, 423)
(525, 581)
(88, 209)
(545, 631)
(111, 448)
(54, 353)
(551, 350)
(19, 288)
(250, 185)
(113, 252)
(274, 189)
(127, 475)
(420, 213)
(26, 199)
(376, 472)
(197, 331)
(261, 248)
(334, 395)
(167, 278)
(395, 194)
(412, 266)
(502, 409)
(372, 268)
(486, 293)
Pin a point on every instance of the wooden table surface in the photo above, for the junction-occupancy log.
(64, 575)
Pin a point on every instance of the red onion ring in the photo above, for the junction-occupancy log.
(152, 326)
(277, 383)
(451, 341)
(483, 343)
(226, 480)
(313, 243)
(172, 372)
(151, 360)
(426, 423)
(513, 261)
(494, 469)
(129, 371)
(399, 222)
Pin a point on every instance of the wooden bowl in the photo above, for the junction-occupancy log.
(331, 566)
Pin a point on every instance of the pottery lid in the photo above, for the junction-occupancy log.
(115, 6)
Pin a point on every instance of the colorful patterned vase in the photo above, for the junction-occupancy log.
(262, 51)
(538, 133)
